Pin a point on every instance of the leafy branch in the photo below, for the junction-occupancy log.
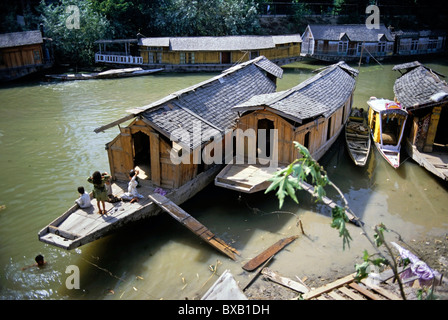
(305, 169)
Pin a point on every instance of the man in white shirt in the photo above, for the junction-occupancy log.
(84, 198)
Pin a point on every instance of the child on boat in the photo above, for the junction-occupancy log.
(99, 189)
(84, 198)
(132, 194)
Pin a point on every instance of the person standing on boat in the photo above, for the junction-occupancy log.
(84, 198)
(132, 194)
(99, 189)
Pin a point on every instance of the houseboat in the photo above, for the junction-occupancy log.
(165, 141)
(410, 42)
(346, 42)
(312, 113)
(199, 53)
(425, 97)
(387, 121)
(22, 54)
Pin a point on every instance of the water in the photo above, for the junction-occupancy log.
(48, 148)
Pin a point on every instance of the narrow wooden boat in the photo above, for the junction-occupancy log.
(108, 74)
(357, 137)
(387, 121)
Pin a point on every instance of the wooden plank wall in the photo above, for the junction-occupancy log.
(214, 57)
(21, 56)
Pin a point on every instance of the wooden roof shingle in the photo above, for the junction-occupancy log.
(223, 43)
(320, 95)
(16, 39)
(419, 86)
(355, 32)
(209, 103)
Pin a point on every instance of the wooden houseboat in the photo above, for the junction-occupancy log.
(203, 53)
(179, 126)
(312, 113)
(23, 53)
(346, 42)
(425, 97)
(419, 42)
(387, 120)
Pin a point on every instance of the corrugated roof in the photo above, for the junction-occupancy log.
(209, 103)
(355, 32)
(419, 86)
(15, 39)
(224, 43)
(320, 95)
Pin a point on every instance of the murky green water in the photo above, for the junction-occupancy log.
(48, 148)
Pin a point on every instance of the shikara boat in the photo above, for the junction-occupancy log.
(387, 121)
(357, 137)
(108, 74)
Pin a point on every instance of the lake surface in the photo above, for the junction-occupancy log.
(48, 148)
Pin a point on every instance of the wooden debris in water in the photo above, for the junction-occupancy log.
(268, 253)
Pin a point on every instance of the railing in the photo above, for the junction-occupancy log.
(115, 58)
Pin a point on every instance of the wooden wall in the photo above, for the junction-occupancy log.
(214, 57)
(21, 56)
(287, 132)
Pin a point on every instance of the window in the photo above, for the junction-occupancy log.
(414, 45)
(154, 57)
(342, 46)
(381, 46)
(187, 58)
(36, 54)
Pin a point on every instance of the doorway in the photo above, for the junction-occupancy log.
(142, 154)
(265, 147)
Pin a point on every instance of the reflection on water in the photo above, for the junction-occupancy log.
(48, 148)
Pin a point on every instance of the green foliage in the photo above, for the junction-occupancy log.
(288, 181)
(73, 45)
(361, 269)
(206, 18)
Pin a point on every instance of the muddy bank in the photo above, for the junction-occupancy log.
(432, 249)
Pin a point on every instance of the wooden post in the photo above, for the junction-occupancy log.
(432, 129)
(155, 157)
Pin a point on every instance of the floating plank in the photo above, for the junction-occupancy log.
(275, 277)
(269, 252)
(192, 224)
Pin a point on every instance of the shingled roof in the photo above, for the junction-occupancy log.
(209, 103)
(224, 43)
(419, 86)
(320, 95)
(16, 39)
(355, 32)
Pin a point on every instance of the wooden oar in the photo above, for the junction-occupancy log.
(268, 253)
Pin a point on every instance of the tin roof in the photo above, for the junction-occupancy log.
(208, 104)
(224, 43)
(320, 95)
(419, 86)
(16, 39)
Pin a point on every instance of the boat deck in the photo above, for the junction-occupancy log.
(435, 162)
(69, 230)
(247, 178)
(77, 227)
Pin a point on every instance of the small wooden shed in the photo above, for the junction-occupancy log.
(425, 96)
(184, 123)
(22, 53)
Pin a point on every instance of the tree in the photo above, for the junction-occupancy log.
(206, 18)
(74, 27)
